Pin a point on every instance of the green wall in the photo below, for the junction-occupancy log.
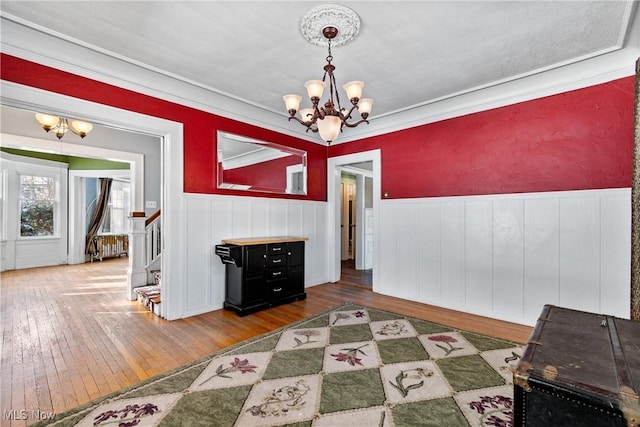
(75, 163)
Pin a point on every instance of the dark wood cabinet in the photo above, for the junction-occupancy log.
(262, 272)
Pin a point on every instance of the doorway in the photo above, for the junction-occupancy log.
(357, 223)
(348, 217)
(365, 167)
(171, 152)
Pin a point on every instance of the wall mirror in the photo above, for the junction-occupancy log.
(253, 165)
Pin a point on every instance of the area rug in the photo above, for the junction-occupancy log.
(351, 366)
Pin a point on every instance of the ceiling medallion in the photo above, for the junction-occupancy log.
(341, 17)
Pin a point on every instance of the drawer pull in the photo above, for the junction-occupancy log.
(276, 273)
(276, 249)
(277, 290)
(276, 261)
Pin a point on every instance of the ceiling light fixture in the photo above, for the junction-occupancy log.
(61, 125)
(330, 118)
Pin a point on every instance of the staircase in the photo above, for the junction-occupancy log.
(153, 246)
(150, 295)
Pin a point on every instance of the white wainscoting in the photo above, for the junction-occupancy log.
(505, 256)
(211, 218)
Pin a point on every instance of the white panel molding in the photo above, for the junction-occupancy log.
(505, 256)
(212, 218)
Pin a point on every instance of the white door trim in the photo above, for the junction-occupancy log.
(172, 203)
(333, 218)
(77, 205)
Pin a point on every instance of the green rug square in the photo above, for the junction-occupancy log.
(363, 387)
(484, 343)
(429, 413)
(300, 424)
(209, 408)
(265, 344)
(423, 327)
(294, 362)
(469, 372)
(170, 384)
(350, 333)
(377, 315)
(401, 350)
(318, 322)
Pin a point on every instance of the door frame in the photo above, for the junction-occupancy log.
(359, 240)
(172, 173)
(334, 195)
(77, 206)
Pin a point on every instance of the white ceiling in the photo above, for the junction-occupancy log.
(413, 56)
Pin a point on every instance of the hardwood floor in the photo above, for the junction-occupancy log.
(69, 335)
(350, 276)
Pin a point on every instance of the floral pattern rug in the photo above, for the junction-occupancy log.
(352, 366)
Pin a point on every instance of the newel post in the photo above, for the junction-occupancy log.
(137, 274)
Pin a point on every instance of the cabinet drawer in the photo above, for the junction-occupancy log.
(276, 273)
(277, 289)
(276, 260)
(276, 248)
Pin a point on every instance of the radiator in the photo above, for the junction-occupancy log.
(110, 245)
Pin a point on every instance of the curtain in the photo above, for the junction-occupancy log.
(635, 205)
(98, 215)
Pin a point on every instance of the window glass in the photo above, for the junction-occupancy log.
(116, 221)
(37, 205)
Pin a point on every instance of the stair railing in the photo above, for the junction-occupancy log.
(153, 238)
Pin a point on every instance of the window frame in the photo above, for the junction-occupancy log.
(126, 199)
(43, 171)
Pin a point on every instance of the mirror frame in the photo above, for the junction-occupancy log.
(284, 151)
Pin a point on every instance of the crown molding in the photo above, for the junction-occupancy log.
(33, 44)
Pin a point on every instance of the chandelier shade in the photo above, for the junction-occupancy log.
(329, 128)
(60, 125)
(330, 118)
(315, 88)
(353, 89)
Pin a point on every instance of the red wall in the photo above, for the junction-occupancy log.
(267, 175)
(199, 127)
(576, 140)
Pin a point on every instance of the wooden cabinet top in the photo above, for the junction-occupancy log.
(263, 240)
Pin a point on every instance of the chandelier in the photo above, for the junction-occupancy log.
(61, 125)
(329, 118)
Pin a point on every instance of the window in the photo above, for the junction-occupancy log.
(37, 205)
(116, 221)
